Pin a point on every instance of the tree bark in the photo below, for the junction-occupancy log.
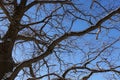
(6, 47)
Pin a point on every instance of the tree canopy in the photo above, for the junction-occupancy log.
(59, 39)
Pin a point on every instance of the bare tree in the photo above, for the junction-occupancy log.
(59, 39)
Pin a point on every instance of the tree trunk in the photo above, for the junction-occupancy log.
(6, 47)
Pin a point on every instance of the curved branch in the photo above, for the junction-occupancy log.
(92, 71)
